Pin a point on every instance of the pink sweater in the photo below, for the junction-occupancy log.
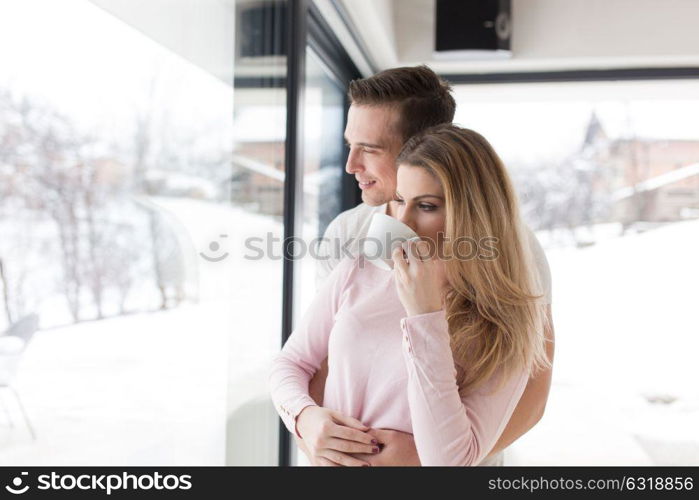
(388, 370)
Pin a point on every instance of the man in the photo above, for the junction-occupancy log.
(387, 109)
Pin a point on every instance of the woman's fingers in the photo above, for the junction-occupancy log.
(342, 459)
(399, 262)
(324, 462)
(422, 248)
(350, 429)
(346, 446)
(417, 251)
(332, 435)
(348, 421)
(410, 250)
(349, 434)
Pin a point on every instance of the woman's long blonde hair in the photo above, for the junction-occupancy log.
(493, 308)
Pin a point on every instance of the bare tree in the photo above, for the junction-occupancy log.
(101, 242)
(568, 194)
(162, 244)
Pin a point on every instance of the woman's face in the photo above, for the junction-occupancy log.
(420, 202)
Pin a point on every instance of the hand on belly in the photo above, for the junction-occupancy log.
(398, 449)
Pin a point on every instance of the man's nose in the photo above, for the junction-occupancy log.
(353, 164)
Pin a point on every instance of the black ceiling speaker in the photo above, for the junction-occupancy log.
(474, 29)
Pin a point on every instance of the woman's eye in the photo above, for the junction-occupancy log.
(427, 208)
(398, 200)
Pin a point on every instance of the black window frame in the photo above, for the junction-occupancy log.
(306, 27)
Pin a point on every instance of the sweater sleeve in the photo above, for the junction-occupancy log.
(448, 429)
(305, 349)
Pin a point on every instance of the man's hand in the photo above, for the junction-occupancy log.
(398, 450)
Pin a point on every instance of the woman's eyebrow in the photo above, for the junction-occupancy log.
(423, 196)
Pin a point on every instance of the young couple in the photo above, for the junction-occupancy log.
(441, 361)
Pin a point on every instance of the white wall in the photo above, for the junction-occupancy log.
(605, 28)
(548, 34)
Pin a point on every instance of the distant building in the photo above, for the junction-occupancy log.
(655, 180)
(258, 176)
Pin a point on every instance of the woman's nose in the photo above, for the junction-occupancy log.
(405, 217)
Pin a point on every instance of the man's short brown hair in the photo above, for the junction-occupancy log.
(422, 98)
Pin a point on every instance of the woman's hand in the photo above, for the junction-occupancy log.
(330, 436)
(420, 280)
(398, 450)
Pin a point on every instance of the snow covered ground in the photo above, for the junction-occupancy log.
(627, 334)
(160, 388)
(145, 389)
(156, 388)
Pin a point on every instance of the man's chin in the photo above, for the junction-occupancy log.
(373, 201)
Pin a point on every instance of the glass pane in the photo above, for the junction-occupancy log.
(256, 229)
(608, 177)
(120, 151)
(323, 166)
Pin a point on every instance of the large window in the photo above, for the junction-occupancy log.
(128, 185)
(143, 185)
(608, 178)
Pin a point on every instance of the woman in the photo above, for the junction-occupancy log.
(441, 347)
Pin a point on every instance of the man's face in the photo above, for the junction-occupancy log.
(374, 141)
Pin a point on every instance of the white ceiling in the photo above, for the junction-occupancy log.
(546, 35)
